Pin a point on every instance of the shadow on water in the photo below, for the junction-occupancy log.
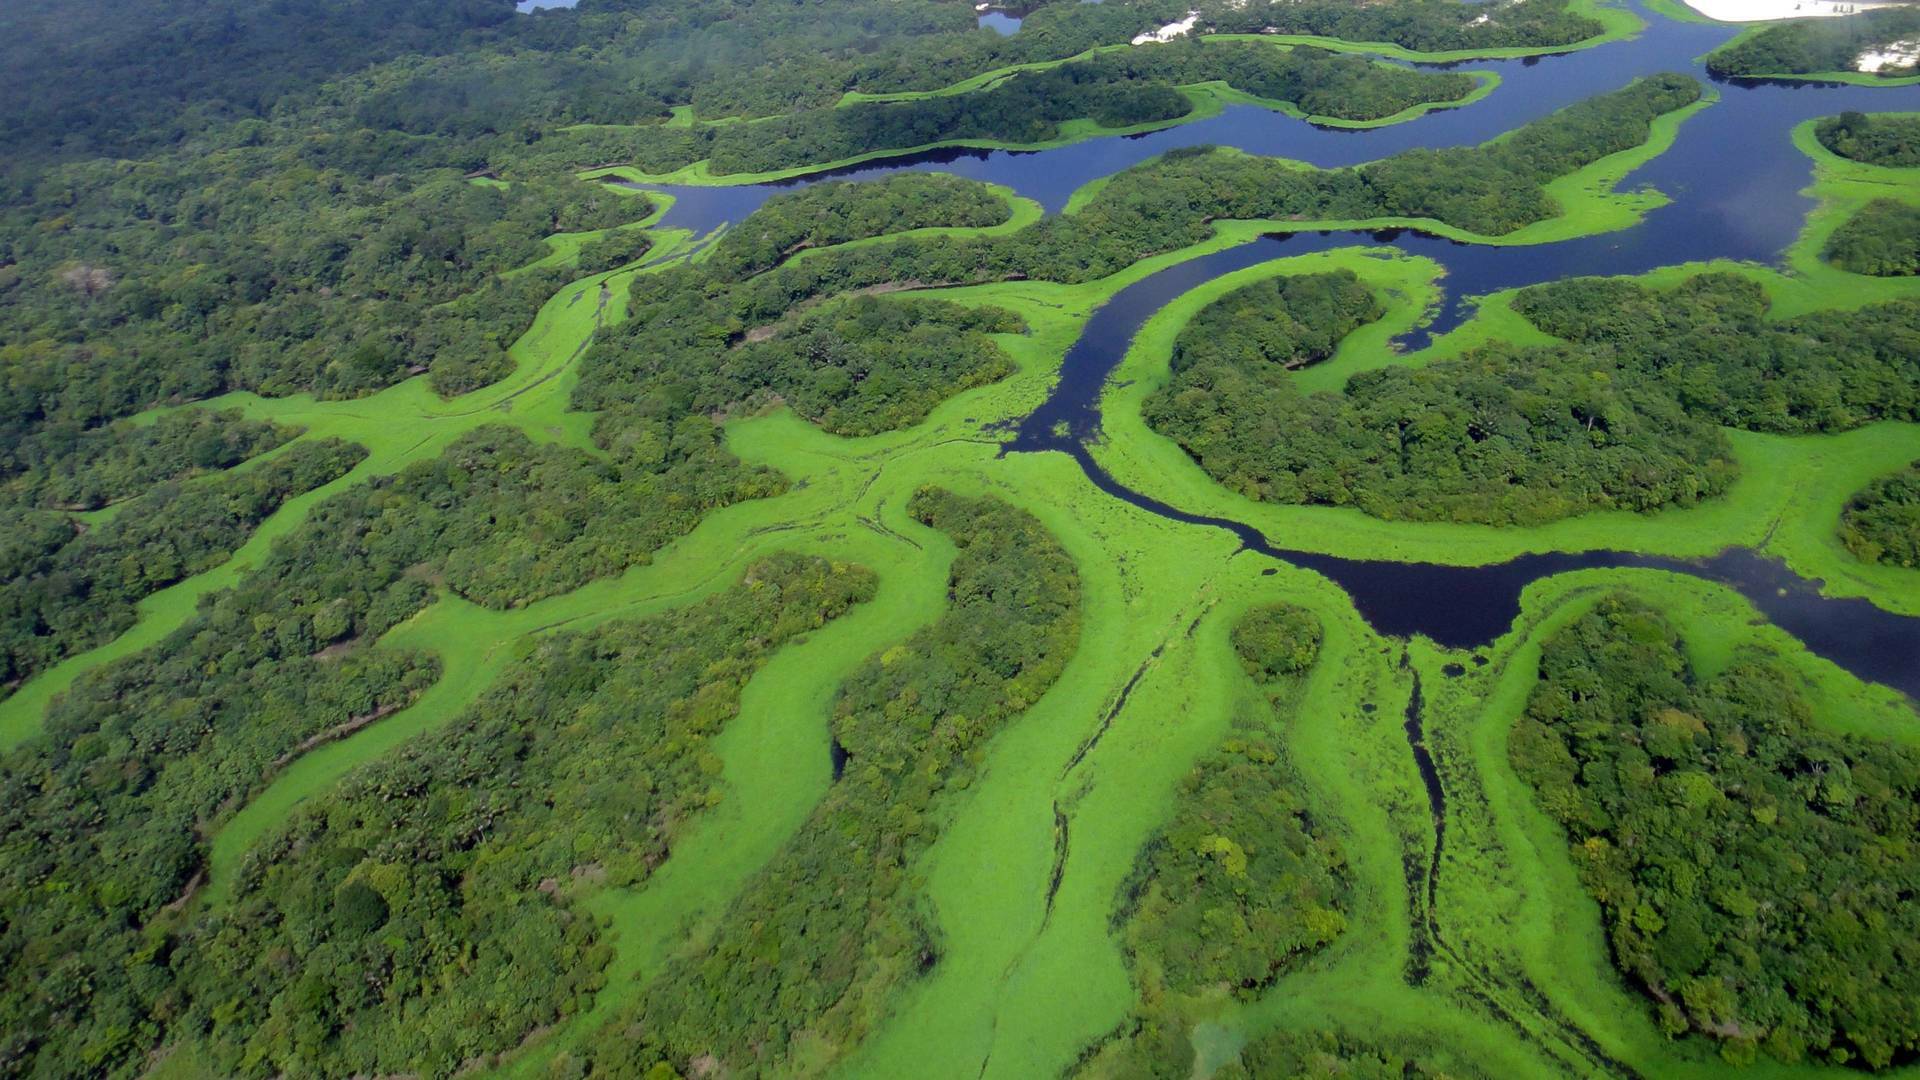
(1735, 184)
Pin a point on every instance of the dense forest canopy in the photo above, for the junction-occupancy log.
(1502, 435)
(1890, 139)
(1882, 521)
(1882, 239)
(476, 844)
(1114, 89)
(1242, 882)
(349, 720)
(823, 935)
(1817, 46)
(1756, 871)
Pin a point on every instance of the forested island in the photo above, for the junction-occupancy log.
(671, 539)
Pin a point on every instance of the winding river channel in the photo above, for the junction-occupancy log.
(1735, 183)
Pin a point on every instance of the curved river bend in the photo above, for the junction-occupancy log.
(1735, 181)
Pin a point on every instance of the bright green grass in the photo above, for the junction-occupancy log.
(1680, 12)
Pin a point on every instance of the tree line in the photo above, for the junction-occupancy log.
(1881, 522)
(1754, 869)
(391, 924)
(823, 938)
(1113, 89)
(72, 586)
(106, 817)
(1816, 46)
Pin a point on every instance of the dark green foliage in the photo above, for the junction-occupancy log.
(469, 850)
(617, 248)
(1279, 641)
(698, 342)
(836, 212)
(1289, 321)
(1502, 435)
(87, 80)
(103, 821)
(110, 808)
(1882, 522)
(1889, 139)
(1882, 239)
(1241, 882)
(822, 939)
(71, 587)
(1756, 872)
(1114, 89)
(1709, 344)
(1171, 202)
(503, 522)
(863, 366)
(1426, 25)
(1160, 1047)
(1815, 46)
(679, 341)
(1324, 1055)
(70, 469)
(247, 269)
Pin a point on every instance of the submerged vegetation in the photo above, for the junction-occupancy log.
(462, 622)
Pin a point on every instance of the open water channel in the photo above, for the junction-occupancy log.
(1735, 180)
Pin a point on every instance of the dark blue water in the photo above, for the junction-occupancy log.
(1457, 606)
(1734, 178)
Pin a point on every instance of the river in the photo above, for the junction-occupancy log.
(1735, 180)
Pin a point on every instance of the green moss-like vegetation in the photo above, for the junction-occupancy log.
(1501, 435)
(512, 750)
(822, 937)
(65, 468)
(73, 586)
(840, 212)
(1709, 340)
(1241, 881)
(1752, 867)
(1327, 1054)
(581, 768)
(1118, 89)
